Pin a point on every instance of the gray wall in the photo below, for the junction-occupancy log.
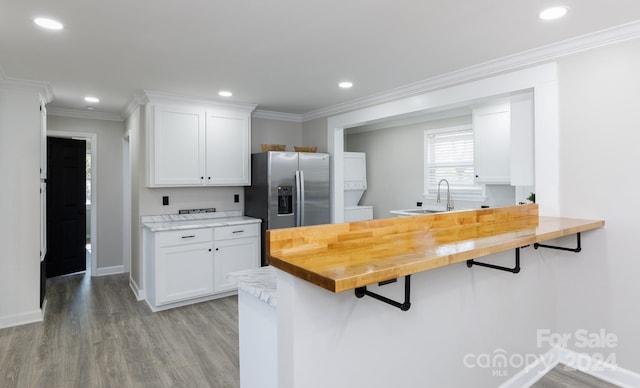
(265, 131)
(109, 206)
(314, 133)
(395, 166)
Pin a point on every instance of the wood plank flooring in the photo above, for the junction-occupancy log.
(563, 377)
(95, 334)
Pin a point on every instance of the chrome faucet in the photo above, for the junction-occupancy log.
(449, 202)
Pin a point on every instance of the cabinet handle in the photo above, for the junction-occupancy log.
(217, 249)
(209, 250)
(209, 178)
(238, 231)
(201, 177)
(192, 236)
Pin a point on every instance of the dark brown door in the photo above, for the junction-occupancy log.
(66, 206)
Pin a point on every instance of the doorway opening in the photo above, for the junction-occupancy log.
(541, 80)
(89, 239)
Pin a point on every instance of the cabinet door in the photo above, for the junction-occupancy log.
(177, 145)
(492, 144)
(183, 272)
(228, 150)
(234, 255)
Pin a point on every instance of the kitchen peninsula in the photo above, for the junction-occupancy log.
(326, 336)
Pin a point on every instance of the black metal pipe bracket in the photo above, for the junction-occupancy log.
(404, 306)
(515, 269)
(577, 249)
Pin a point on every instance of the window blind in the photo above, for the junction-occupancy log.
(449, 155)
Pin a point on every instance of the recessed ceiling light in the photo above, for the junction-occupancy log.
(225, 93)
(345, 85)
(48, 23)
(92, 100)
(553, 13)
(91, 107)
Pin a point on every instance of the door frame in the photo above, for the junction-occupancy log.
(93, 138)
(126, 201)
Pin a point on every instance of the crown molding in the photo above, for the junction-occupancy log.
(271, 115)
(137, 100)
(153, 95)
(549, 52)
(83, 114)
(43, 88)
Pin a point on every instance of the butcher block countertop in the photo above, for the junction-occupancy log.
(340, 257)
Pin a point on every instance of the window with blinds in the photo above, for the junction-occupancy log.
(449, 155)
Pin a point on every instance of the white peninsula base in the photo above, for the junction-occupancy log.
(257, 327)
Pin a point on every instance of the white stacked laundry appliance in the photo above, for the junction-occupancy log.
(355, 184)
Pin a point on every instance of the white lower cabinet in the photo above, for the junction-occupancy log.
(184, 272)
(183, 265)
(191, 265)
(236, 248)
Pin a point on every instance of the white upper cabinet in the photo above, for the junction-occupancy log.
(228, 144)
(197, 143)
(492, 143)
(504, 141)
(178, 146)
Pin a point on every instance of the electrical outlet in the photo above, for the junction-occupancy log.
(419, 204)
(236, 198)
(165, 200)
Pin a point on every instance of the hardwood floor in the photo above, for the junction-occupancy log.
(563, 377)
(95, 334)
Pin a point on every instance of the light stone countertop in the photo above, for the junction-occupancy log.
(193, 221)
(259, 282)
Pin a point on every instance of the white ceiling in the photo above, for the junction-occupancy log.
(284, 55)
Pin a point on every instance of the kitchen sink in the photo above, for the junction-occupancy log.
(413, 212)
(424, 211)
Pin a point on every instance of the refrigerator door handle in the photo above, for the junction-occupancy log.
(302, 204)
(297, 199)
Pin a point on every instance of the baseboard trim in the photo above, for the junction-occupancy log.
(139, 294)
(608, 372)
(116, 269)
(21, 319)
(600, 369)
(43, 309)
(190, 301)
(534, 371)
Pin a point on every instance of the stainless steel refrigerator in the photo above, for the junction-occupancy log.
(288, 189)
